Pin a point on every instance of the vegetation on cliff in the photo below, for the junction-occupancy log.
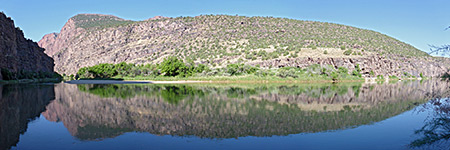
(87, 21)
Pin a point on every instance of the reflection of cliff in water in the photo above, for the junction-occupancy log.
(20, 104)
(228, 111)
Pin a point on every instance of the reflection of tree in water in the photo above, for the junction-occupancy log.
(435, 133)
(170, 93)
(174, 94)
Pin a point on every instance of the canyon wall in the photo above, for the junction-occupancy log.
(18, 53)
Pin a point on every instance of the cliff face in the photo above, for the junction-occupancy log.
(48, 41)
(90, 39)
(57, 42)
(18, 53)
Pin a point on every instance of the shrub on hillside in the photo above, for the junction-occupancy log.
(348, 52)
(239, 69)
(287, 72)
(357, 71)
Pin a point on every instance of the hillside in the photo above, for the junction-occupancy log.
(20, 57)
(218, 40)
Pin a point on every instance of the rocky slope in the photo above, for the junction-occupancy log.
(20, 54)
(92, 112)
(217, 40)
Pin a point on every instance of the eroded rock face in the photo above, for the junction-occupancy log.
(89, 113)
(47, 41)
(18, 53)
(380, 65)
(149, 41)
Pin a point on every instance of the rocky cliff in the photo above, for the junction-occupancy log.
(20, 54)
(217, 40)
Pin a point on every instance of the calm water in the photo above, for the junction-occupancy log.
(225, 116)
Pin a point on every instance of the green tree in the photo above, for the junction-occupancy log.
(103, 70)
(172, 66)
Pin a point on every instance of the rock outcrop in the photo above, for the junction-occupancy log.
(20, 54)
(90, 39)
(379, 65)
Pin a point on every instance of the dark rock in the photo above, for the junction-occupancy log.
(18, 53)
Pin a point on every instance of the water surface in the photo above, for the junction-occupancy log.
(221, 116)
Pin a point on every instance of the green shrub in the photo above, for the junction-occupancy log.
(393, 77)
(234, 69)
(342, 47)
(287, 72)
(342, 70)
(262, 73)
(239, 69)
(334, 76)
(406, 74)
(348, 52)
(325, 52)
(357, 71)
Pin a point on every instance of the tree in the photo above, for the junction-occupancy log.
(443, 49)
(172, 66)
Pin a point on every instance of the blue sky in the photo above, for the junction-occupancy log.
(417, 22)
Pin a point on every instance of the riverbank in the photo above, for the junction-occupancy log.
(214, 79)
(174, 80)
(128, 82)
(44, 80)
(246, 78)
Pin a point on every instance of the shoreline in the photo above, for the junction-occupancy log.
(205, 81)
(130, 82)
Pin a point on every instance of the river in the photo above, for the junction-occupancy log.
(395, 115)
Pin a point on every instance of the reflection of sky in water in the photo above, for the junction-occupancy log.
(393, 133)
(237, 117)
